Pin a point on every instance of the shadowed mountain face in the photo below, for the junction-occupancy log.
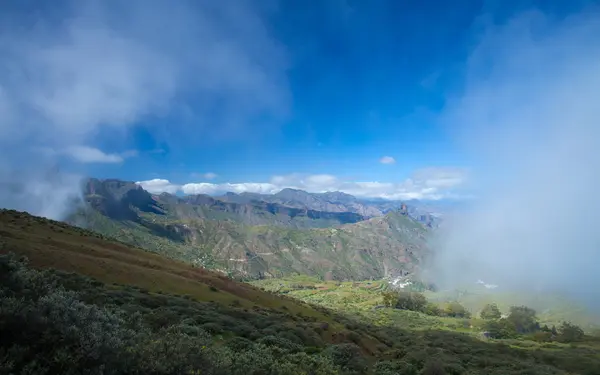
(119, 200)
(427, 214)
(330, 202)
(255, 238)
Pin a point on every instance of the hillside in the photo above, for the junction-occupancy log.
(330, 202)
(428, 214)
(193, 230)
(115, 199)
(84, 304)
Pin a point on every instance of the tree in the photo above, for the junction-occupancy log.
(432, 309)
(411, 301)
(568, 332)
(405, 300)
(390, 299)
(500, 329)
(524, 319)
(490, 312)
(456, 310)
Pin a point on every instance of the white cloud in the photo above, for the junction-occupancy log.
(98, 66)
(87, 154)
(129, 154)
(83, 72)
(206, 176)
(214, 189)
(430, 183)
(441, 177)
(157, 186)
(387, 160)
(528, 113)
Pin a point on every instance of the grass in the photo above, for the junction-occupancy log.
(249, 251)
(51, 244)
(341, 320)
(364, 300)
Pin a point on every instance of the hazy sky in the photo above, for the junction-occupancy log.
(529, 114)
(379, 99)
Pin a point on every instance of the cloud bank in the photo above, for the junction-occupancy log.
(529, 114)
(76, 75)
(430, 183)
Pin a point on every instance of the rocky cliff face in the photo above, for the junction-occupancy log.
(256, 238)
(326, 202)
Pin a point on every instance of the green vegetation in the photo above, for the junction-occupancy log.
(192, 234)
(84, 304)
(55, 322)
(490, 311)
(373, 302)
(414, 301)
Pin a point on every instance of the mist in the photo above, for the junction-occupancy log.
(77, 77)
(528, 115)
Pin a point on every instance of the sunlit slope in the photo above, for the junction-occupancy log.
(367, 249)
(51, 244)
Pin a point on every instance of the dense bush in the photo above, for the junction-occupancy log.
(405, 300)
(490, 311)
(56, 322)
(456, 310)
(523, 319)
(46, 329)
(413, 301)
(500, 329)
(568, 332)
(348, 357)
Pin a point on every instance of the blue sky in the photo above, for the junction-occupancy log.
(204, 96)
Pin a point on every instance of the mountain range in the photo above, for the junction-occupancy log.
(329, 235)
(337, 201)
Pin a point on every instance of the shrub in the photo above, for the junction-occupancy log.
(348, 357)
(394, 368)
(542, 336)
(456, 310)
(405, 300)
(490, 311)
(524, 319)
(280, 342)
(500, 329)
(433, 367)
(568, 332)
(432, 309)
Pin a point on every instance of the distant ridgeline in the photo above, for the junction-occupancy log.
(332, 235)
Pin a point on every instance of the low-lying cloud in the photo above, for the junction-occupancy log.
(429, 183)
(529, 115)
(77, 75)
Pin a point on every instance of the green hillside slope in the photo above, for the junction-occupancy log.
(199, 234)
(84, 304)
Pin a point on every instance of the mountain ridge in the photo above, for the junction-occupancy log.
(248, 243)
(65, 290)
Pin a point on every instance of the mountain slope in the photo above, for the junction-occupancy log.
(340, 202)
(372, 249)
(115, 199)
(330, 202)
(91, 305)
(57, 245)
(192, 230)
